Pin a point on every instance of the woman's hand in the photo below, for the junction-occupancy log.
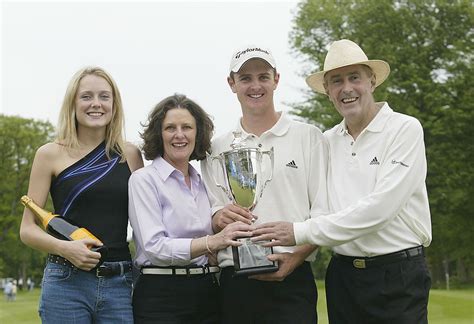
(79, 253)
(227, 237)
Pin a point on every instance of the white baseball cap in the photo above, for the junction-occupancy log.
(249, 52)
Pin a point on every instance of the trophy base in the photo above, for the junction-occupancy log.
(250, 258)
(254, 271)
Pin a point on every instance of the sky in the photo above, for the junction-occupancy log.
(152, 49)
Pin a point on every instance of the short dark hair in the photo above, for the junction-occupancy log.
(153, 139)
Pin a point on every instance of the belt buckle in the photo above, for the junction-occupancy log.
(359, 263)
(101, 271)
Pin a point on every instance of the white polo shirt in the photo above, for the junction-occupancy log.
(299, 175)
(376, 189)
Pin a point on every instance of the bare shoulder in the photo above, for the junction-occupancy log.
(50, 151)
(48, 159)
(134, 156)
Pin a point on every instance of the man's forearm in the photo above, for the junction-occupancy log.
(303, 251)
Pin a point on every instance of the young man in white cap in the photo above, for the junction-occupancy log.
(380, 219)
(299, 182)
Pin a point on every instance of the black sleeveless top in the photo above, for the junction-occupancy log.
(93, 193)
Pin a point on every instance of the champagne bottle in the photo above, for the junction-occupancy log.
(60, 228)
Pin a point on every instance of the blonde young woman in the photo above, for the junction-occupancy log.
(86, 171)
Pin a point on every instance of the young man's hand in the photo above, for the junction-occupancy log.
(229, 214)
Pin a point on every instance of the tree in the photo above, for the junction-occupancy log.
(429, 46)
(19, 139)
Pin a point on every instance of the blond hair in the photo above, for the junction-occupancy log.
(67, 123)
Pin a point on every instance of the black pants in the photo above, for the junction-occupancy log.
(395, 293)
(176, 299)
(247, 301)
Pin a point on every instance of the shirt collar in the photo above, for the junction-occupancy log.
(195, 176)
(279, 129)
(165, 170)
(376, 125)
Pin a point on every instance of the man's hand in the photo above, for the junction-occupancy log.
(287, 262)
(278, 233)
(229, 214)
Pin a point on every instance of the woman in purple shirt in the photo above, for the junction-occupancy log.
(170, 215)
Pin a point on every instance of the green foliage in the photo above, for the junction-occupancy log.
(429, 46)
(19, 139)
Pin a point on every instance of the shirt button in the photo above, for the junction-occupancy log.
(352, 143)
(259, 145)
(353, 154)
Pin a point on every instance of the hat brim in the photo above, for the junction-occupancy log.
(380, 68)
(236, 68)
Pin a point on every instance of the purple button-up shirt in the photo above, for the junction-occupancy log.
(166, 215)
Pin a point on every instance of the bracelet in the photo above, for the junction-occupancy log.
(207, 245)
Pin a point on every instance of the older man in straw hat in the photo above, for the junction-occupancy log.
(379, 221)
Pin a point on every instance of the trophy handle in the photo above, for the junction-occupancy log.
(270, 156)
(220, 159)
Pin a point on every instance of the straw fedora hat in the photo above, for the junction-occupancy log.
(344, 53)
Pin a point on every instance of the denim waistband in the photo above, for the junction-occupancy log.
(106, 269)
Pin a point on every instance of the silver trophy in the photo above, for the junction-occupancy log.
(246, 171)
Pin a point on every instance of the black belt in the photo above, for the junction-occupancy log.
(107, 269)
(366, 262)
(176, 271)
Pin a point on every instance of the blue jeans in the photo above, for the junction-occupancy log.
(73, 296)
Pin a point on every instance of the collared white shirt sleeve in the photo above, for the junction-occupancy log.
(377, 187)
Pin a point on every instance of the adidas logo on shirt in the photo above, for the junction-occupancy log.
(292, 164)
(374, 161)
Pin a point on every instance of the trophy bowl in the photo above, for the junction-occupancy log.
(246, 172)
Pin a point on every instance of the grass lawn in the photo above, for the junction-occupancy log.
(23, 310)
(445, 307)
(453, 306)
